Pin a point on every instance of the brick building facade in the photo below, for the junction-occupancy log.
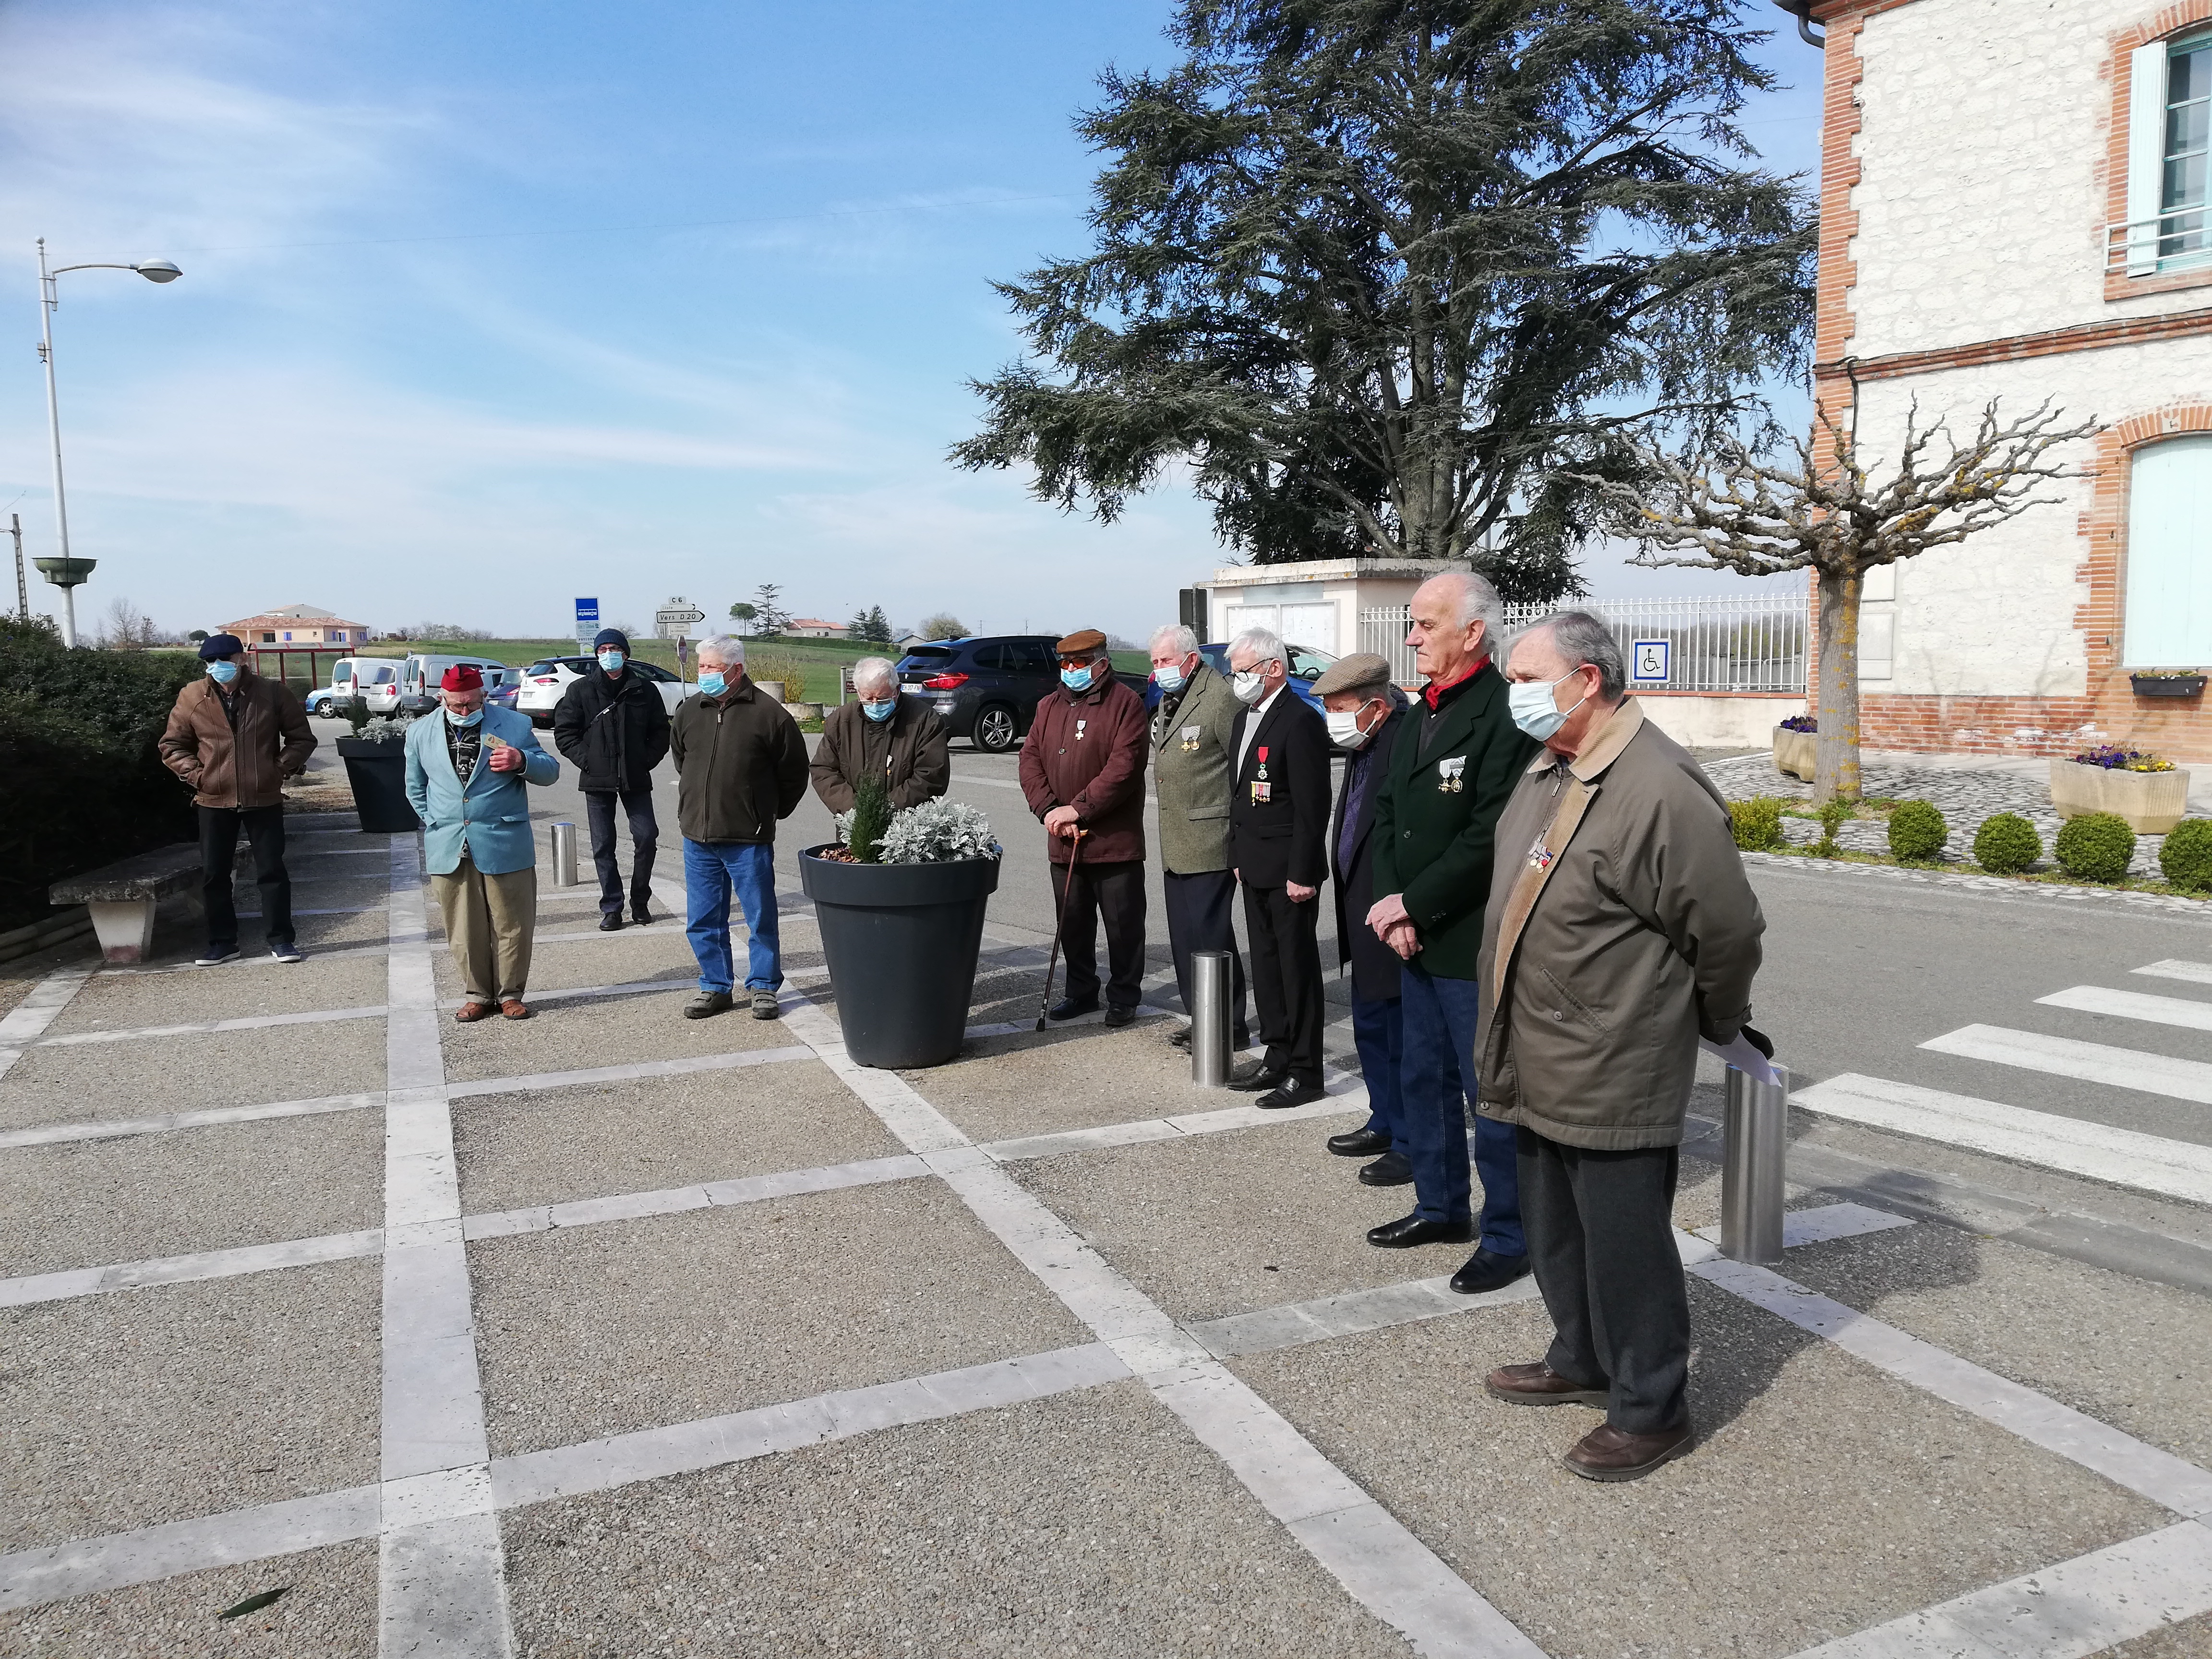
(298, 625)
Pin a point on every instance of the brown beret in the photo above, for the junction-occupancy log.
(1363, 671)
(1087, 643)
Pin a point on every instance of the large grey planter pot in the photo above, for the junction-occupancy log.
(901, 941)
(378, 772)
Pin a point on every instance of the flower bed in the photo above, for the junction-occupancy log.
(2146, 790)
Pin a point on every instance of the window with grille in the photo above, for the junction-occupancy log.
(2169, 224)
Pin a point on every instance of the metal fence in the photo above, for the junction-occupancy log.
(1732, 642)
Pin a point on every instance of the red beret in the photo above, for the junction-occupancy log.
(461, 677)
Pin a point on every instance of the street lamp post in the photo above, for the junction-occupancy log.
(64, 572)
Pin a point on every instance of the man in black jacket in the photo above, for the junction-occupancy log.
(1279, 842)
(1366, 714)
(613, 727)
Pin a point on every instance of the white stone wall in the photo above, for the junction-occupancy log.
(1719, 722)
(1996, 615)
(1980, 211)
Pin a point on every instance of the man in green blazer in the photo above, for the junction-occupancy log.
(1193, 742)
(1454, 764)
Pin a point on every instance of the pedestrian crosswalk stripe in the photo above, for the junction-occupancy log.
(2198, 972)
(2176, 1169)
(2133, 1005)
(2092, 1062)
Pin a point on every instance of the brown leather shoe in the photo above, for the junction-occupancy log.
(1538, 1385)
(470, 1012)
(514, 1008)
(1609, 1453)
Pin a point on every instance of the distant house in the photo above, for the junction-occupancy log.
(299, 625)
(812, 628)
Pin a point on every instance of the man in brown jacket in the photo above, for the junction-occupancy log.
(234, 738)
(1083, 770)
(1621, 930)
(881, 734)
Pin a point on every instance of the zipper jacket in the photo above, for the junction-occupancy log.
(740, 765)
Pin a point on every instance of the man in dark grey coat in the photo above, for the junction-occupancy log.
(1621, 930)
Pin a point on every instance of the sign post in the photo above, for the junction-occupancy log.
(588, 622)
(1650, 662)
(673, 621)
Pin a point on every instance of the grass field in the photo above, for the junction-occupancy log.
(815, 661)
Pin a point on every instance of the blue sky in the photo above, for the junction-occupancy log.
(489, 304)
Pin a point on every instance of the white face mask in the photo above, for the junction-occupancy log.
(1533, 708)
(1249, 686)
(1344, 728)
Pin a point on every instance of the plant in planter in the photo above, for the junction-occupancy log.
(375, 758)
(1796, 744)
(900, 902)
(2167, 682)
(2146, 790)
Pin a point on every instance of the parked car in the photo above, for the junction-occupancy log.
(379, 683)
(540, 687)
(420, 674)
(1307, 665)
(985, 689)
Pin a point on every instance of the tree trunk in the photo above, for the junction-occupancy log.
(1836, 754)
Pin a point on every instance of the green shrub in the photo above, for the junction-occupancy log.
(871, 816)
(1916, 832)
(1835, 813)
(2007, 844)
(2185, 860)
(1757, 824)
(2096, 847)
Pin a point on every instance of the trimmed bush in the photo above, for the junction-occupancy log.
(1916, 832)
(2095, 846)
(2185, 860)
(1757, 824)
(1835, 813)
(2007, 844)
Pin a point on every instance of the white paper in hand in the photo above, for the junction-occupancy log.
(1741, 1054)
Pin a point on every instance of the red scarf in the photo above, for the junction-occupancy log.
(1438, 687)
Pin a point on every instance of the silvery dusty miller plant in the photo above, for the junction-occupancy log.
(939, 832)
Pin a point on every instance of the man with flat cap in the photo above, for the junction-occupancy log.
(1083, 772)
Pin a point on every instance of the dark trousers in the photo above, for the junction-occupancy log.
(644, 837)
(264, 830)
(1439, 1018)
(1601, 1242)
(1378, 1031)
(1117, 890)
(1197, 920)
(1286, 995)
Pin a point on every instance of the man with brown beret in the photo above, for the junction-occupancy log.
(1083, 772)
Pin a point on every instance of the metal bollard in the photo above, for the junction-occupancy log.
(1209, 1018)
(564, 855)
(1756, 1122)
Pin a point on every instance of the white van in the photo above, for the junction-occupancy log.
(378, 684)
(420, 674)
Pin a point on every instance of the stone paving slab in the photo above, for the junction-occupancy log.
(123, 1411)
(589, 1331)
(569, 1036)
(1823, 1498)
(1087, 1524)
(90, 1203)
(328, 1611)
(109, 1001)
(618, 959)
(191, 1073)
(1025, 1085)
(2190, 1639)
(552, 1145)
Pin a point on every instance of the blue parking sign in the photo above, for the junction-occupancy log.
(587, 620)
(1650, 662)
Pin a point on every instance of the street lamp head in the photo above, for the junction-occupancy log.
(156, 270)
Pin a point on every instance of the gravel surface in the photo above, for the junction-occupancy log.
(561, 1143)
(328, 1611)
(84, 1081)
(124, 1410)
(130, 1000)
(1090, 1524)
(2190, 1639)
(1825, 1496)
(589, 1331)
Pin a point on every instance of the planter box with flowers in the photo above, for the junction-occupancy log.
(375, 758)
(1796, 746)
(2150, 793)
(900, 902)
(2166, 683)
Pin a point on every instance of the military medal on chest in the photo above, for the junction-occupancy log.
(1448, 774)
(1190, 739)
(1262, 790)
(1539, 856)
(1079, 731)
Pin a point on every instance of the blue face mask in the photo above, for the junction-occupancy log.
(469, 719)
(222, 673)
(880, 711)
(712, 682)
(611, 661)
(1168, 679)
(1533, 708)
(1076, 680)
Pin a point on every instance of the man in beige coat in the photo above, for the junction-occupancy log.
(1621, 930)
(1194, 739)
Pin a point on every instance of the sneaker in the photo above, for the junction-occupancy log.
(764, 1006)
(215, 955)
(708, 1003)
(288, 952)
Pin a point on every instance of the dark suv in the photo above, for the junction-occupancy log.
(985, 689)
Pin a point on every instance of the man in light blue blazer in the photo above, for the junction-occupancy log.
(467, 767)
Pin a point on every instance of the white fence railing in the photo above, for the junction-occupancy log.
(2179, 238)
(1747, 643)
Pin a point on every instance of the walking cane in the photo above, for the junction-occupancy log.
(1074, 854)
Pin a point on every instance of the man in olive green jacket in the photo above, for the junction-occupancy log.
(1194, 746)
(1621, 930)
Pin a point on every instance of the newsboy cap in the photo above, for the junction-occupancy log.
(1088, 643)
(461, 677)
(614, 637)
(1362, 672)
(217, 646)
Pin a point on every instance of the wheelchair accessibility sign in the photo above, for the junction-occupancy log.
(1650, 662)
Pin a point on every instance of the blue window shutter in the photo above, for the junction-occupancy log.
(2169, 574)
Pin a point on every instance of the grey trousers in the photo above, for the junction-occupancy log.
(1601, 1241)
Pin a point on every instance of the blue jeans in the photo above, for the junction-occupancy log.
(1378, 1032)
(1439, 1019)
(711, 869)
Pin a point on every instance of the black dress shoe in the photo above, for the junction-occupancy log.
(1068, 1008)
(1181, 1040)
(1359, 1143)
(1260, 1081)
(641, 917)
(610, 922)
(1117, 1018)
(1486, 1270)
(1408, 1230)
(1390, 1169)
(1290, 1091)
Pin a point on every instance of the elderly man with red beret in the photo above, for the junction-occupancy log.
(467, 767)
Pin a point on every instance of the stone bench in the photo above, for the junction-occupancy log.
(122, 896)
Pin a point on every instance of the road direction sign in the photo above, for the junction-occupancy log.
(1650, 662)
(673, 620)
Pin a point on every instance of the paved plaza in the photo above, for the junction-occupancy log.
(614, 1333)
